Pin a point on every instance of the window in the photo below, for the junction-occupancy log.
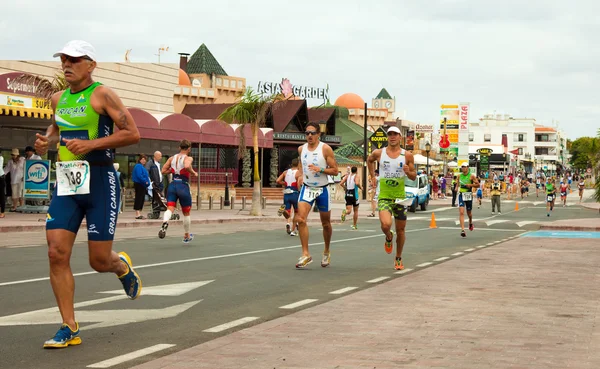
(520, 151)
(487, 137)
(521, 137)
(471, 136)
(208, 159)
(541, 151)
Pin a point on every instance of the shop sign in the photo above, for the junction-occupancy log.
(464, 117)
(37, 175)
(286, 88)
(485, 152)
(289, 136)
(424, 128)
(379, 139)
(9, 85)
(23, 102)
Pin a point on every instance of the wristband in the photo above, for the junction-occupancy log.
(322, 170)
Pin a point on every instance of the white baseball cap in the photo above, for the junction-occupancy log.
(464, 164)
(77, 49)
(394, 129)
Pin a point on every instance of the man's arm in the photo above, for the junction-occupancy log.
(188, 165)
(358, 182)
(474, 181)
(410, 170)
(332, 169)
(167, 167)
(375, 155)
(105, 101)
(280, 179)
(300, 173)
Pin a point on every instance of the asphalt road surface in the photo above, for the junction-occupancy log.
(231, 276)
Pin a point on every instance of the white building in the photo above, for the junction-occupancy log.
(538, 147)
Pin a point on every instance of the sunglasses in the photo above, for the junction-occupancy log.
(311, 133)
(73, 59)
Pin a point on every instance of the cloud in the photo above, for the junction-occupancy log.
(535, 59)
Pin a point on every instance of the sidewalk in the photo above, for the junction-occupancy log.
(526, 303)
(20, 222)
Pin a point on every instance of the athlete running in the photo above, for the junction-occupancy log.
(180, 165)
(550, 195)
(289, 179)
(395, 164)
(466, 182)
(318, 162)
(86, 181)
(480, 192)
(351, 184)
(564, 189)
(581, 187)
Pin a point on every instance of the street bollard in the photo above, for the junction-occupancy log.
(264, 202)
(222, 203)
(210, 203)
(232, 202)
(243, 202)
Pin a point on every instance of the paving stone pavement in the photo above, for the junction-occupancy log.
(526, 303)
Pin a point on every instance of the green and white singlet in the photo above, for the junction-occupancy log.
(392, 176)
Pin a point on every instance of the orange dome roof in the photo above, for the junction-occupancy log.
(350, 101)
(184, 79)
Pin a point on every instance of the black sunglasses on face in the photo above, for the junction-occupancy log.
(73, 59)
(311, 133)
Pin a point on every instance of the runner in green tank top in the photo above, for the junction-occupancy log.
(83, 127)
(550, 193)
(466, 182)
(394, 165)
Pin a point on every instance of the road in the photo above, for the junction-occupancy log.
(231, 274)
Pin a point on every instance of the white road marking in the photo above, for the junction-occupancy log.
(439, 209)
(443, 219)
(442, 258)
(492, 222)
(417, 218)
(490, 244)
(235, 323)
(342, 290)
(469, 250)
(210, 257)
(424, 265)
(298, 304)
(403, 271)
(133, 355)
(458, 253)
(481, 246)
(378, 279)
(177, 289)
(526, 222)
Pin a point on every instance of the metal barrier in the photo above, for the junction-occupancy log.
(217, 177)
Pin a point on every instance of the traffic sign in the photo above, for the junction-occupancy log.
(378, 139)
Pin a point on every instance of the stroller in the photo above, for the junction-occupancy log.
(159, 203)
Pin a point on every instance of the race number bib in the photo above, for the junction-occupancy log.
(408, 200)
(72, 178)
(311, 193)
(467, 196)
(549, 198)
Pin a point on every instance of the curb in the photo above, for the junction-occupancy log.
(149, 223)
(569, 228)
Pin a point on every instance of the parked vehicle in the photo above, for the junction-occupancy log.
(418, 190)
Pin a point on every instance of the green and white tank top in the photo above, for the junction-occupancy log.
(465, 179)
(391, 175)
(76, 118)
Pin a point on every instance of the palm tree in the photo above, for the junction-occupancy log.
(44, 87)
(251, 109)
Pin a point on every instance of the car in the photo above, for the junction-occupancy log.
(418, 190)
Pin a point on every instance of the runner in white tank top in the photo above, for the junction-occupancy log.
(352, 184)
(318, 162)
(289, 179)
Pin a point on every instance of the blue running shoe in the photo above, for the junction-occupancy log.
(188, 239)
(132, 283)
(65, 337)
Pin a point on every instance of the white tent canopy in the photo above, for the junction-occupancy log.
(422, 160)
(452, 164)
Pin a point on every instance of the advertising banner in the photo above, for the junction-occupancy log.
(452, 115)
(410, 141)
(37, 179)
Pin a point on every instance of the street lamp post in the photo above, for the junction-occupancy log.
(427, 150)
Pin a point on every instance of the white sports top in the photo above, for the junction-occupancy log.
(317, 158)
(290, 181)
(392, 168)
(351, 182)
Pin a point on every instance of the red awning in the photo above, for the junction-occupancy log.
(177, 127)
(146, 123)
(217, 132)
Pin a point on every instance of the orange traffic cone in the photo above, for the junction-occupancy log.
(517, 206)
(432, 223)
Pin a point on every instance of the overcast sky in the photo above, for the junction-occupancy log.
(530, 58)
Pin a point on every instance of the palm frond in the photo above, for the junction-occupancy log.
(44, 88)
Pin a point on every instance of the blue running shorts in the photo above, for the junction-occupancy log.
(318, 195)
(180, 190)
(100, 207)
